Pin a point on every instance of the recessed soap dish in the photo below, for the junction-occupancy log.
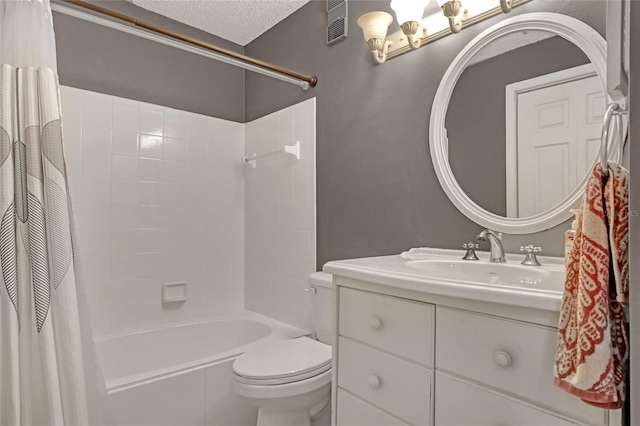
(174, 292)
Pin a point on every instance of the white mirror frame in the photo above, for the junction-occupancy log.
(584, 37)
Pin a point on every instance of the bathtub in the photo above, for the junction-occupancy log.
(181, 374)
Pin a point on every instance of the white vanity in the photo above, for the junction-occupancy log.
(421, 339)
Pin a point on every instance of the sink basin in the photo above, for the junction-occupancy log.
(442, 272)
(494, 273)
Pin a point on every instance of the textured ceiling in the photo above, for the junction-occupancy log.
(239, 21)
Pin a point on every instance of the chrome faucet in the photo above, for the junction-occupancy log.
(495, 239)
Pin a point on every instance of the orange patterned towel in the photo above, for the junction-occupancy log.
(592, 351)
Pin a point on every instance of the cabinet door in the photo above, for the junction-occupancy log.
(459, 403)
(353, 411)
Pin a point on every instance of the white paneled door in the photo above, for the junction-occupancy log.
(558, 138)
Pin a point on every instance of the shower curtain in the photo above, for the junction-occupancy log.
(49, 374)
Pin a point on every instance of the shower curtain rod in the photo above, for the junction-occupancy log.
(215, 52)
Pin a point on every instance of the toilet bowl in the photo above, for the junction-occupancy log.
(289, 381)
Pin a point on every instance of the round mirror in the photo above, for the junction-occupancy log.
(516, 122)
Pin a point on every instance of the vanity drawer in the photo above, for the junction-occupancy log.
(512, 356)
(353, 411)
(395, 385)
(459, 403)
(396, 325)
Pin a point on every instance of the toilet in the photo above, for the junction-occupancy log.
(289, 381)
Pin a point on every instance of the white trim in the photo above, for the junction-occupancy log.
(571, 29)
(511, 116)
(618, 78)
(138, 32)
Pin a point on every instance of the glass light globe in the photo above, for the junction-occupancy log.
(375, 25)
(409, 10)
(442, 2)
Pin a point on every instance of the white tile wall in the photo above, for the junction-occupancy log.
(158, 197)
(280, 215)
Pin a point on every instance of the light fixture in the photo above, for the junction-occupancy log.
(409, 15)
(453, 16)
(451, 9)
(374, 26)
(506, 5)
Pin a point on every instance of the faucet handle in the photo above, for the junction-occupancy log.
(530, 249)
(470, 254)
(531, 258)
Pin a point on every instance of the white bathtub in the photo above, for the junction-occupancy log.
(181, 374)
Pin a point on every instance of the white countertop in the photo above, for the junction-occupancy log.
(396, 272)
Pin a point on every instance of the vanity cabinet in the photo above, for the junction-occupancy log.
(409, 358)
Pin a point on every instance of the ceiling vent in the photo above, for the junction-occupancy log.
(336, 20)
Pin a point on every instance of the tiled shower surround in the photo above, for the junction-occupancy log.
(158, 198)
(280, 215)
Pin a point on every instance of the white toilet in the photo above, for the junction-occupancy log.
(290, 380)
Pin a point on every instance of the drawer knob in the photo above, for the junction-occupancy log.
(503, 359)
(375, 323)
(374, 381)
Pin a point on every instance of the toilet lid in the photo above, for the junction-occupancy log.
(286, 358)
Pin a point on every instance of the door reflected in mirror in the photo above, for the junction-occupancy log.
(523, 124)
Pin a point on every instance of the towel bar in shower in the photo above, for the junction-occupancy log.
(287, 149)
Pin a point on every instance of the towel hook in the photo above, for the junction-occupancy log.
(612, 109)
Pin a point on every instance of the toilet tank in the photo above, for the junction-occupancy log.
(321, 305)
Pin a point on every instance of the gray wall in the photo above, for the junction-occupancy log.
(377, 190)
(97, 58)
(476, 116)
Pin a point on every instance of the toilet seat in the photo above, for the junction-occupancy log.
(283, 362)
(280, 380)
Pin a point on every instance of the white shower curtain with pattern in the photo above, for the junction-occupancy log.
(49, 374)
